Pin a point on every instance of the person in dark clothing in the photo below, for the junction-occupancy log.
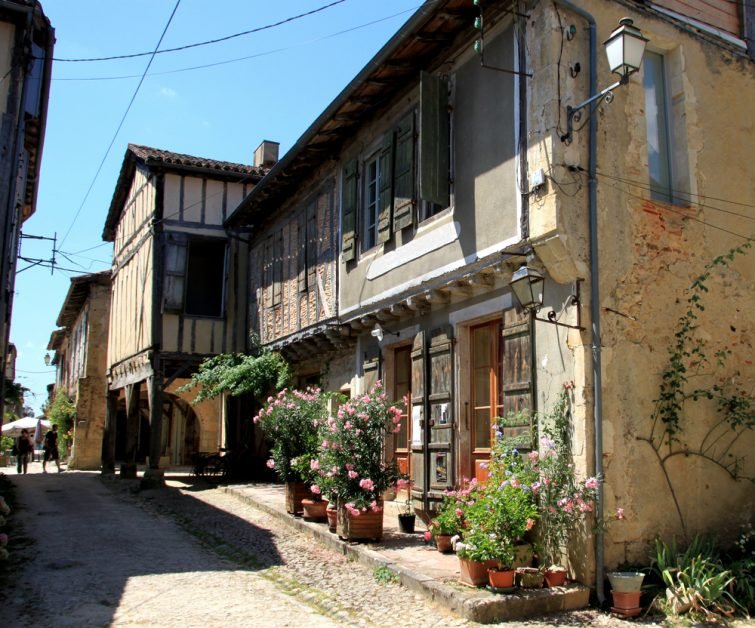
(24, 449)
(51, 449)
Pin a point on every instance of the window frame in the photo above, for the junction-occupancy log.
(662, 190)
(368, 231)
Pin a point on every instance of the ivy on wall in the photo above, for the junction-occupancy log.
(693, 359)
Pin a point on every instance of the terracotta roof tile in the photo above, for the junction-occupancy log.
(154, 155)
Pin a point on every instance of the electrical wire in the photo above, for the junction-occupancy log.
(247, 57)
(649, 188)
(123, 119)
(664, 207)
(205, 43)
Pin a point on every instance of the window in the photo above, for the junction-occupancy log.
(657, 122)
(194, 275)
(371, 202)
(405, 181)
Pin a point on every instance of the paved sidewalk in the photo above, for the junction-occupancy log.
(420, 566)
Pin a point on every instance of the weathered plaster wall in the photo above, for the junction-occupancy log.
(209, 414)
(90, 394)
(650, 253)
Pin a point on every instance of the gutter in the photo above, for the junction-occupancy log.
(592, 207)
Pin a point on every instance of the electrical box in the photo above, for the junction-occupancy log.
(537, 179)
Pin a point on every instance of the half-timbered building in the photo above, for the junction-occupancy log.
(179, 296)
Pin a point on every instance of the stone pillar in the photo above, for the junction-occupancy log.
(108, 434)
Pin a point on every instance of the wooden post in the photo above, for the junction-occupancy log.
(108, 435)
(128, 466)
(154, 476)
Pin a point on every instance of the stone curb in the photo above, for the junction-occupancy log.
(471, 604)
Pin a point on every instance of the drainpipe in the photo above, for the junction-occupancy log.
(592, 207)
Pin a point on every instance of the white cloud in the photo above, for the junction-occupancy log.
(168, 92)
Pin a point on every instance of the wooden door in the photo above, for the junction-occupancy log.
(402, 392)
(432, 413)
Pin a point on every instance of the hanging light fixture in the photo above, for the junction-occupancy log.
(528, 286)
(625, 48)
(47, 359)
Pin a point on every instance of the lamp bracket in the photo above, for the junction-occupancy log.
(573, 115)
(573, 299)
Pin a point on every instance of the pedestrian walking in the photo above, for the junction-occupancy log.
(51, 449)
(24, 448)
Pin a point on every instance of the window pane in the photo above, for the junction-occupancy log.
(206, 270)
(371, 202)
(656, 116)
(482, 429)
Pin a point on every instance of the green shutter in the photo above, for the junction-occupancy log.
(385, 215)
(349, 211)
(176, 256)
(403, 183)
(434, 138)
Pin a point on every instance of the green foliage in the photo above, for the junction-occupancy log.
(449, 518)
(14, 393)
(6, 443)
(351, 465)
(702, 580)
(385, 575)
(62, 412)
(688, 355)
(239, 374)
(291, 423)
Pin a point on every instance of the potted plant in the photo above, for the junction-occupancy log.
(407, 517)
(351, 462)
(626, 589)
(448, 520)
(290, 421)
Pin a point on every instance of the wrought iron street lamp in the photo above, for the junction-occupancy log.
(528, 286)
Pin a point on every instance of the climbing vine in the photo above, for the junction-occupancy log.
(239, 374)
(690, 358)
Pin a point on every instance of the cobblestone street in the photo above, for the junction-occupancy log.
(107, 554)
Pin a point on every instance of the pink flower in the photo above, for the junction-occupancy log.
(349, 466)
(374, 507)
(535, 488)
(591, 483)
(402, 483)
(530, 524)
(427, 535)
(396, 429)
(314, 465)
(459, 512)
(396, 418)
(353, 475)
(324, 444)
(620, 513)
(347, 425)
(366, 484)
(366, 399)
(270, 464)
(315, 489)
(533, 456)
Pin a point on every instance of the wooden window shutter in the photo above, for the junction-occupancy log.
(349, 211)
(371, 372)
(385, 215)
(302, 251)
(516, 384)
(176, 256)
(312, 242)
(277, 267)
(434, 139)
(403, 183)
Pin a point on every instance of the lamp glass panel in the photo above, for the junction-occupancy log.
(615, 54)
(634, 48)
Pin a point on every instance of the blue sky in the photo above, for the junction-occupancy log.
(268, 85)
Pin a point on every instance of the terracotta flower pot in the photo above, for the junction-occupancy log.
(295, 492)
(314, 509)
(331, 512)
(473, 573)
(443, 543)
(367, 526)
(626, 581)
(501, 579)
(555, 577)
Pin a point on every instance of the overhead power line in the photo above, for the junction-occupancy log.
(208, 42)
(123, 119)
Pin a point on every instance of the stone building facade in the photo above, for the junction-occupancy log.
(80, 356)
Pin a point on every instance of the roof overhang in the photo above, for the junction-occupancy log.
(78, 292)
(430, 31)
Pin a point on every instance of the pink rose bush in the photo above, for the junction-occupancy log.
(291, 423)
(356, 473)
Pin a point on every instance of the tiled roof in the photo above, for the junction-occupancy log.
(153, 156)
